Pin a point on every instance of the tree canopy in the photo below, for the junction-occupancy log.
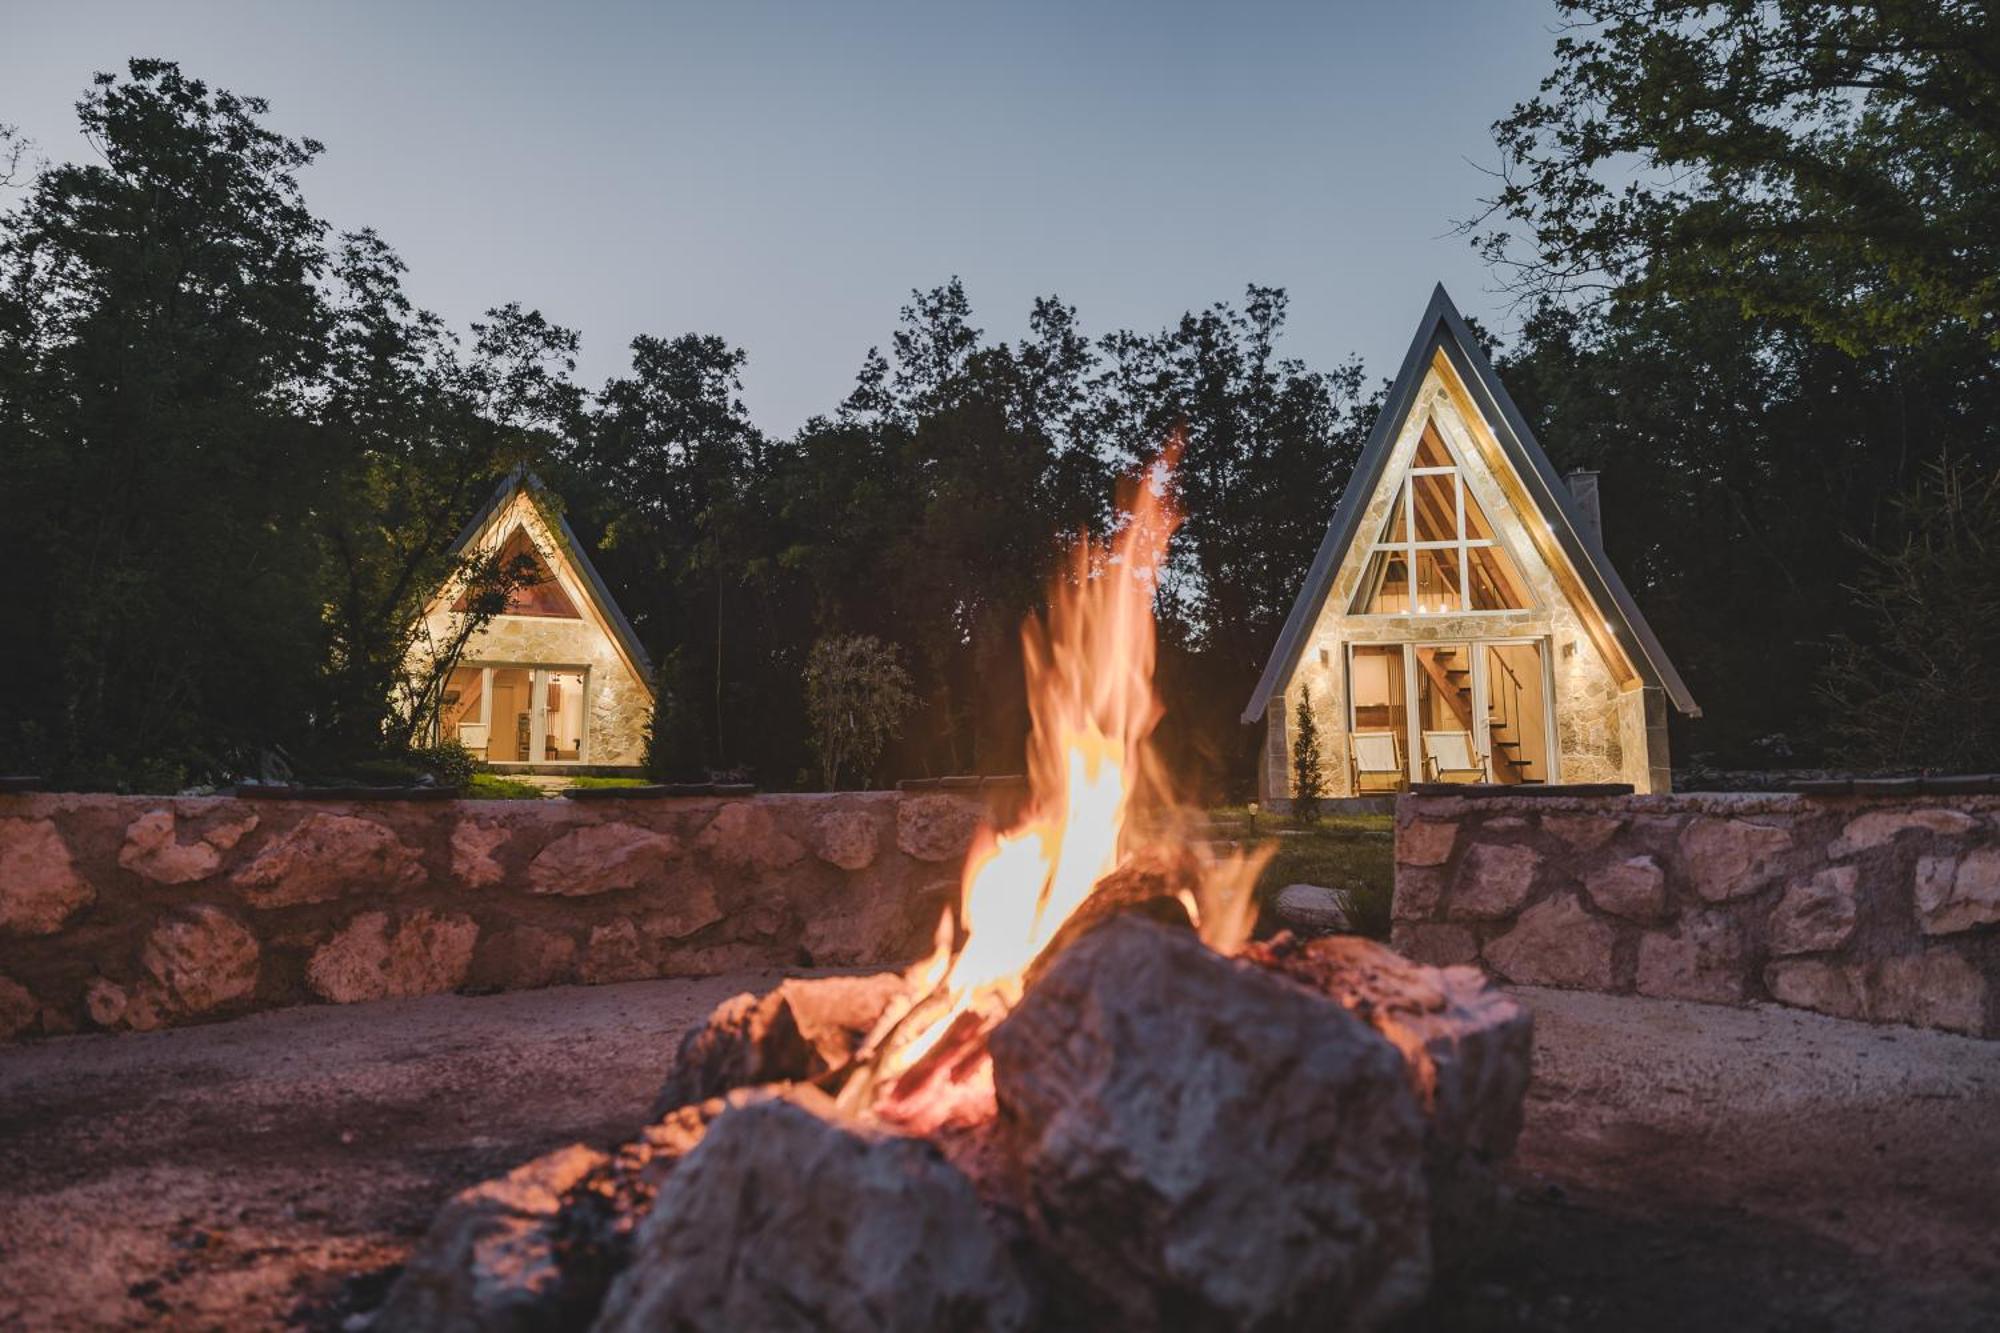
(1753, 244)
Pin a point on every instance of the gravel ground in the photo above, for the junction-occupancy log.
(1683, 1166)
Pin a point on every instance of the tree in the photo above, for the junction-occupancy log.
(1755, 244)
(1921, 689)
(1308, 772)
(1267, 445)
(856, 695)
(671, 473)
(417, 433)
(161, 326)
(233, 458)
(1832, 165)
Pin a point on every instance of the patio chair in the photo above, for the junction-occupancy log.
(1450, 757)
(472, 735)
(1377, 757)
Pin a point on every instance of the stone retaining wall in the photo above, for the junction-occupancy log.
(142, 912)
(1885, 909)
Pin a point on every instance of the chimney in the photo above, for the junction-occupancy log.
(1583, 490)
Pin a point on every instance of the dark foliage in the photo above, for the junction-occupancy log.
(234, 456)
(1756, 245)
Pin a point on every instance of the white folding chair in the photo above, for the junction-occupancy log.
(1450, 757)
(1376, 757)
(472, 735)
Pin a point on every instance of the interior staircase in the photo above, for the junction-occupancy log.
(1503, 725)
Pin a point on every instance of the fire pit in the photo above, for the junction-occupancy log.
(1094, 1105)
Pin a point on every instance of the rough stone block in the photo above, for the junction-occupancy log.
(1635, 888)
(616, 952)
(1730, 858)
(522, 958)
(1704, 960)
(603, 858)
(1311, 907)
(1937, 988)
(789, 1216)
(473, 844)
(153, 851)
(40, 889)
(105, 1001)
(1466, 1046)
(846, 838)
(1556, 943)
(1812, 983)
(490, 1259)
(329, 856)
(802, 1029)
(1877, 827)
(1951, 898)
(1153, 1089)
(1438, 944)
(935, 828)
(744, 836)
(203, 958)
(424, 953)
(1425, 842)
(1583, 833)
(1417, 893)
(1493, 882)
(1817, 914)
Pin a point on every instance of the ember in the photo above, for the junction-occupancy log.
(1091, 1105)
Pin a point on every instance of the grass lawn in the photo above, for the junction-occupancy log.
(586, 780)
(1351, 852)
(495, 787)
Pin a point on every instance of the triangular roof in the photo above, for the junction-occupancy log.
(1443, 331)
(573, 552)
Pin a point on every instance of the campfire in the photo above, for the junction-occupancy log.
(1102, 829)
(1095, 1104)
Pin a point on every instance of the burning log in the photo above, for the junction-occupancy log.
(805, 1029)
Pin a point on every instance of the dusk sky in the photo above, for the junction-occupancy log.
(783, 175)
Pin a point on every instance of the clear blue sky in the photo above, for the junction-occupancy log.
(783, 174)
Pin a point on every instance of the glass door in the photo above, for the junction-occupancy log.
(1516, 712)
(1378, 729)
(518, 715)
(1448, 712)
(1447, 689)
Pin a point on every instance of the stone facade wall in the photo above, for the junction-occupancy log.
(1602, 727)
(131, 912)
(1885, 909)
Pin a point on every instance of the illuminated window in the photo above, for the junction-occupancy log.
(1437, 554)
(542, 596)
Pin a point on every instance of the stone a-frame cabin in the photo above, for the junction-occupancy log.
(558, 682)
(1461, 622)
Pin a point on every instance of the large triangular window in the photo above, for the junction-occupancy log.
(542, 597)
(1437, 554)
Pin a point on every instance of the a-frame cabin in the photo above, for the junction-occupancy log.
(558, 682)
(1461, 622)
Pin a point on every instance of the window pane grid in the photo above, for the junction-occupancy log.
(1407, 573)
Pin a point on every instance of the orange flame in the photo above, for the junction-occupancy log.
(1092, 770)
